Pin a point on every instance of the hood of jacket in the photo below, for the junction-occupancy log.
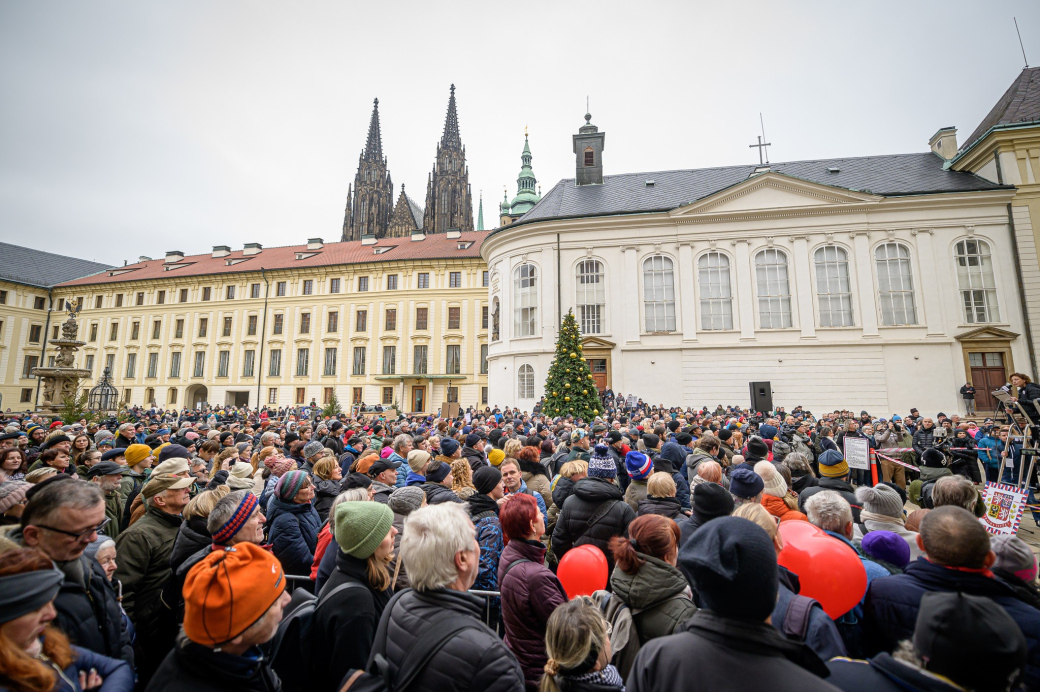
(597, 490)
(656, 581)
(562, 489)
(673, 453)
(191, 538)
(329, 487)
(276, 507)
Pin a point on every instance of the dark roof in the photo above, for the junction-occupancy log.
(888, 176)
(1019, 104)
(44, 269)
(434, 246)
(417, 211)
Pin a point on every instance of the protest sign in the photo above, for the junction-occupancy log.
(857, 453)
(1004, 505)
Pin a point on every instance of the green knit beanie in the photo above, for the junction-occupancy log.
(361, 526)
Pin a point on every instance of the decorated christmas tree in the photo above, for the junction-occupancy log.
(569, 388)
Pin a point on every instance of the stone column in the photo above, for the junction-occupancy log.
(687, 298)
(929, 287)
(630, 315)
(868, 316)
(803, 284)
(745, 289)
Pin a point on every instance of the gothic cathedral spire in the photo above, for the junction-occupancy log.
(449, 201)
(370, 199)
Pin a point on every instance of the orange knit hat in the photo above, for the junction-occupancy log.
(228, 591)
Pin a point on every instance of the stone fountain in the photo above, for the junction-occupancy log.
(62, 380)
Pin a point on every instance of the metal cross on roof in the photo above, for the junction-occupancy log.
(761, 147)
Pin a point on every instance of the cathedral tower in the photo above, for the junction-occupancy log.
(370, 199)
(449, 202)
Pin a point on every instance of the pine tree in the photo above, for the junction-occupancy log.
(332, 408)
(569, 387)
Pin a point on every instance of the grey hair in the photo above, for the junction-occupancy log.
(433, 535)
(738, 501)
(268, 436)
(796, 462)
(224, 509)
(954, 490)
(829, 511)
(59, 496)
(352, 495)
(400, 441)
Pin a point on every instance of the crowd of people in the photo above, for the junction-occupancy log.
(238, 549)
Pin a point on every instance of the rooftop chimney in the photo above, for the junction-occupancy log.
(454, 234)
(144, 258)
(173, 256)
(588, 153)
(252, 249)
(221, 251)
(368, 239)
(944, 142)
(315, 243)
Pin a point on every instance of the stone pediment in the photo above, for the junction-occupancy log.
(987, 334)
(771, 192)
(596, 342)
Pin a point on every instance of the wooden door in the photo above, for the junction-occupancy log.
(418, 399)
(598, 366)
(987, 373)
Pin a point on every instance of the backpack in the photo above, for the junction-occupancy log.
(796, 620)
(377, 676)
(290, 648)
(624, 637)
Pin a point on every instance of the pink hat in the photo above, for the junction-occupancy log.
(386, 452)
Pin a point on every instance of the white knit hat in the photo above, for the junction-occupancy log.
(775, 484)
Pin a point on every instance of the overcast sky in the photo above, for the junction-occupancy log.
(131, 128)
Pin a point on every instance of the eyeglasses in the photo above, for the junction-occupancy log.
(78, 536)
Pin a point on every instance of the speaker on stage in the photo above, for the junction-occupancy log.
(761, 397)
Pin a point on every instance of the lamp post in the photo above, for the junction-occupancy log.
(103, 396)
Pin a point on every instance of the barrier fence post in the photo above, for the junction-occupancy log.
(873, 467)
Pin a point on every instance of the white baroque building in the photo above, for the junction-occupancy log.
(881, 283)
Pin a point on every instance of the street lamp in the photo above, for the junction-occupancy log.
(103, 396)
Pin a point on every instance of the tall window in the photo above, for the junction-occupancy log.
(308, 287)
(279, 289)
(251, 326)
(774, 289)
(135, 331)
(153, 364)
(659, 294)
(454, 279)
(483, 359)
(28, 364)
(279, 320)
(424, 280)
(223, 362)
(391, 319)
(303, 362)
(200, 364)
(591, 299)
(90, 362)
(203, 325)
(484, 280)
(305, 323)
(391, 282)
(333, 321)
(359, 360)
(275, 369)
(175, 364)
(254, 290)
(389, 360)
(454, 318)
(330, 361)
(119, 301)
(230, 292)
(484, 317)
(975, 279)
(36, 333)
(160, 297)
(206, 293)
(716, 292)
(227, 326)
(525, 300)
(184, 296)
(525, 382)
(156, 329)
(140, 298)
(93, 332)
(362, 283)
(454, 360)
(895, 284)
(178, 329)
(272, 395)
(131, 365)
(333, 285)
(421, 318)
(420, 361)
(361, 321)
(248, 358)
(113, 333)
(833, 286)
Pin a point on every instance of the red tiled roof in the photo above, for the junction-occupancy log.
(435, 246)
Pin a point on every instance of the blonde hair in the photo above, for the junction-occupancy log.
(575, 629)
(512, 448)
(710, 471)
(571, 468)
(202, 504)
(461, 475)
(758, 514)
(323, 468)
(660, 485)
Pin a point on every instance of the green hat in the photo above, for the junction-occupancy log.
(360, 527)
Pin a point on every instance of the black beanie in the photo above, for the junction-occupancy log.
(711, 500)
(486, 478)
(724, 435)
(684, 439)
(757, 448)
(733, 566)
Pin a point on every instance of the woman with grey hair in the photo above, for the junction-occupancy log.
(403, 502)
(802, 475)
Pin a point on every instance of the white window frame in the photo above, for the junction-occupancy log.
(901, 289)
(833, 286)
(773, 289)
(525, 381)
(658, 294)
(590, 287)
(715, 286)
(525, 300)
(975, 281)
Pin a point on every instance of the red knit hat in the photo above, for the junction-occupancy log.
(229, 590)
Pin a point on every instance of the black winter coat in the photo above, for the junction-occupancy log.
(923, 439)
(190, 666)
(294, 535)
(345, 625)
(191, 545)
(721, 655)
(563, 489)
(474, 660)
(665, 506)
(572, 526)
(91, 616)
(475, 458)
(437, 493)
(325, 493)
(882, 674)
(843, 488)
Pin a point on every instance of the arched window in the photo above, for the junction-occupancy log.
(774, 290)
(895, 284)
(590, 157)
(525, 301)
(658, 294)
(716, 294)
(975, 279)
(525, 382)
(833, 286)
(591, 296)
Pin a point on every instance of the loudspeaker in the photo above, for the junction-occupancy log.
(761, 397)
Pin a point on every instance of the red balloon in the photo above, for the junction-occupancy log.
(583, 570)
(827, 569)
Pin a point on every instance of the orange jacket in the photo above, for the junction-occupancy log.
(778, 508)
